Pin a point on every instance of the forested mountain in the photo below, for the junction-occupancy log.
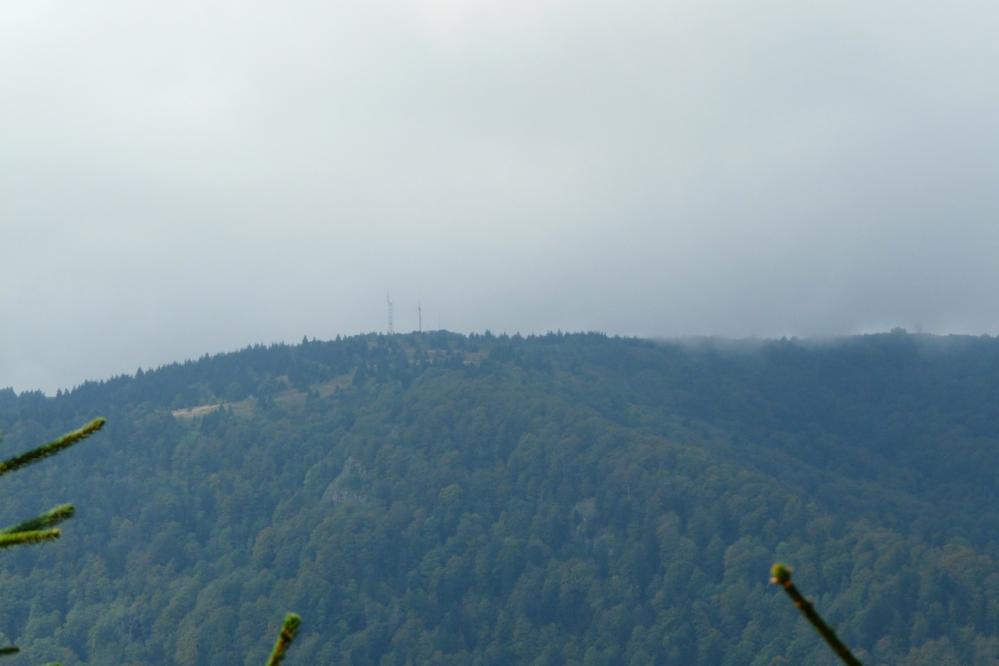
(442, 499)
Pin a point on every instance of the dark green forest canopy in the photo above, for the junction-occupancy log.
(485, 499)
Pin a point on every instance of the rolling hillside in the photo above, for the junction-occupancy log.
(579, 499)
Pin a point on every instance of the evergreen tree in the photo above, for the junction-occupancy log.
(780, 575)
(288, 630)
(42, 527)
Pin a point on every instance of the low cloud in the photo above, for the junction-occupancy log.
(187, 178)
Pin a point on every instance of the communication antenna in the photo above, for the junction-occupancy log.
(388, 302)
(419, 311)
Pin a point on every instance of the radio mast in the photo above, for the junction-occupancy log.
(388, 303)
(419, 312)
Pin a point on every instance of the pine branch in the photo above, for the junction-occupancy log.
(52, 448)
(287, 635)
(50, 518)
(781, 575)
(23, 538)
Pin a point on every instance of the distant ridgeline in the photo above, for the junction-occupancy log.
(436, 498)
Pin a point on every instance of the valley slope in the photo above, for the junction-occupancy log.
(438, 498)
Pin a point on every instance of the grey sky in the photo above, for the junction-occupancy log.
(188, 177)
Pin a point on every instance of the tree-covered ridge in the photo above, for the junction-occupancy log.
(439, 498)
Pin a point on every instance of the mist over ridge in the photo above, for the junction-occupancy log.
(636, 169)
(925, 342)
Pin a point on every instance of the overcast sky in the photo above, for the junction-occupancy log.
(182, 177)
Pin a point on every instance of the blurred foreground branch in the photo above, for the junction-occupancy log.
(781, 575)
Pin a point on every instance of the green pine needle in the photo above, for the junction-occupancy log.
(42, 528)
(23, 538)
(287, 635)
(52, 448)
(780, 575)
(50, 518)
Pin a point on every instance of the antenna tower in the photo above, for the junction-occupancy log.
(388, 302)
(419, 311)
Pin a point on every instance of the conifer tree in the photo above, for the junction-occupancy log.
(42, 527)
(780, 574)
(284, 639)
